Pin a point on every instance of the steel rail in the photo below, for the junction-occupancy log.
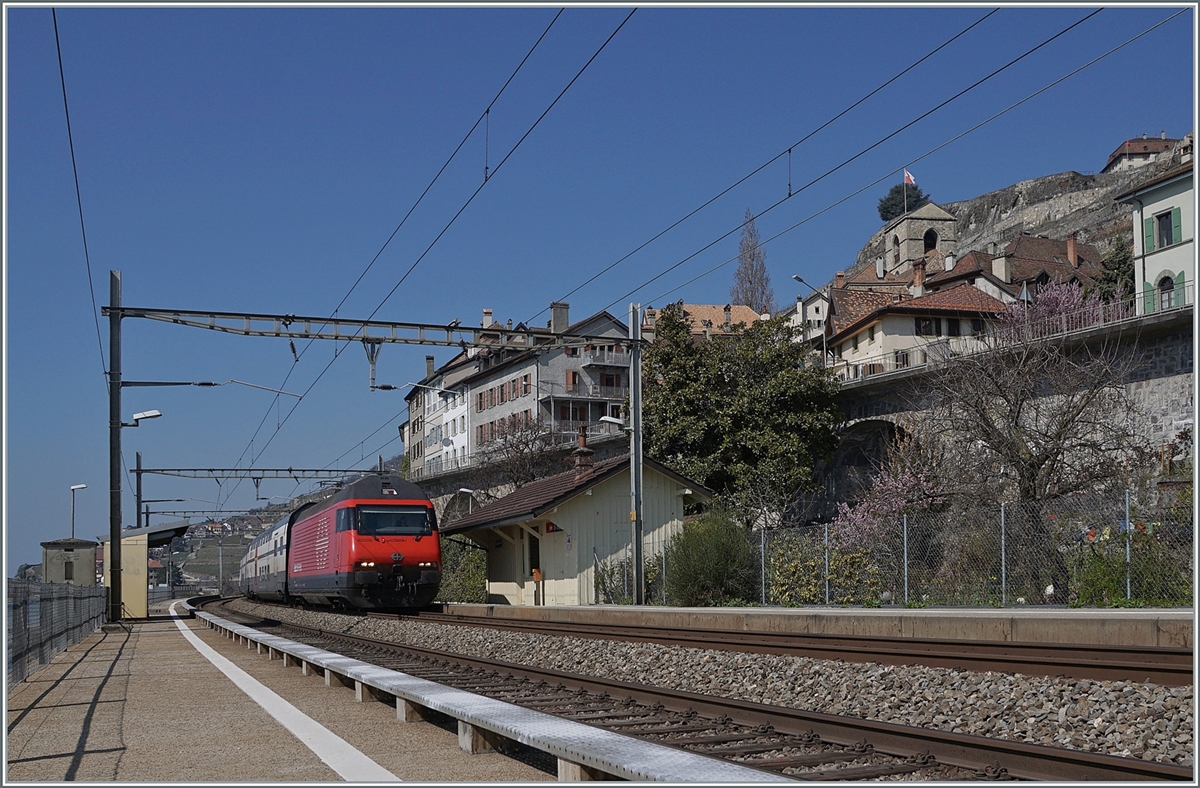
(983, 755)
(1167, 666)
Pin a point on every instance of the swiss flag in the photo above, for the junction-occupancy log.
(908, 178)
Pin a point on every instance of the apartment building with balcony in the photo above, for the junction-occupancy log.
(483, 394)
(1164, 229)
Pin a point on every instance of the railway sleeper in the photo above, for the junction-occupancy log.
(809, 759)
(757, 747)
(863, 772)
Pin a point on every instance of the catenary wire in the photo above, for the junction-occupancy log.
(777, 157)
(925, 155)
(858, 155)
(436, 177)
(338, 352)
(78, 197)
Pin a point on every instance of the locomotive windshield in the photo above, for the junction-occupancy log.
(394, 521)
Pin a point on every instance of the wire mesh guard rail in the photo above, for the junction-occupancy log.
(1075, 551)
(43, 619)
(1086, 550)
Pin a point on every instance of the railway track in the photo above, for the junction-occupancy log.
(1171, 667)
(798, 744)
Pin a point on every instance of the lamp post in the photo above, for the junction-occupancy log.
(634, 428)
(75, 487)
(824, 349)
(471, 500)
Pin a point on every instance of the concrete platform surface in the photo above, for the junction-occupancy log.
(1033, 624)
(145, 705)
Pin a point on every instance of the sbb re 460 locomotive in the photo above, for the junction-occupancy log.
(373, 544)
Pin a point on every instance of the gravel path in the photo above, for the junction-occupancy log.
(1126, 718)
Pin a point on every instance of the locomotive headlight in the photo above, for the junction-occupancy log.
(366, 563)
(427, 565)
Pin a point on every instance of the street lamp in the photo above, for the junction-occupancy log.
(75, 487)
(471, 500)
(137, 417)
(824, 349)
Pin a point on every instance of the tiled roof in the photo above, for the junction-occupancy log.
(698, 313)
(851, 306)
(1140, 145)
(961, 296)
(969, 263)
(541, 496)
(866, 276)
(1030, 255)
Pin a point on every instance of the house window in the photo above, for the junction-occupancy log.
(952, 327)
(1163, 229)
(572, 380)
(871, 334)
(524, 385)
(926, 327)
(69, 569)
(1166, 293)
(977, 326)
(854, 343)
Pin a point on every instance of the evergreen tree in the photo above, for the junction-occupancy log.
(751, 284)
(747, 416)
(892, 205)
(1116, 271)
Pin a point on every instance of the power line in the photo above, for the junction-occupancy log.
(772, 160)
(930, 152)
(861, 153)
(470, 199)
(401, 224)
(78, 197)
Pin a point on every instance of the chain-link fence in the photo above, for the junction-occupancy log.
(1084, 550)
(44, 618)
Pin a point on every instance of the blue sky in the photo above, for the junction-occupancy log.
(257, 159)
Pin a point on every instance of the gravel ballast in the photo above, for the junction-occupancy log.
(1125, 718)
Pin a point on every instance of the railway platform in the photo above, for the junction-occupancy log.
(168, 700)
(1149, 627)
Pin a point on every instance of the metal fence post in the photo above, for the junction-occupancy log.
(1003, 561)
(906, 559)
(826, 526)
(763, 562)
(1128, 537)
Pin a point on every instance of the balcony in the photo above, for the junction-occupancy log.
(583, 390)
(606, 358)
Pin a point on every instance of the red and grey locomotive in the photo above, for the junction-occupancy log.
(373, 544)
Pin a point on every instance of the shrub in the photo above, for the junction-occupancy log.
(711, 562)
(464, 573)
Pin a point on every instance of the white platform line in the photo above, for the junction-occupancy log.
(333, 750)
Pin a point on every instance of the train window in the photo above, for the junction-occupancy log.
(394, 521)
(345, 520)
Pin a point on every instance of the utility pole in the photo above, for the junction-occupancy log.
(114, 447)
(635, 449)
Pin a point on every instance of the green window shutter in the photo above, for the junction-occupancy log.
(1148, 295)
(1176, 235)
(1179, 280)
(1148, 236)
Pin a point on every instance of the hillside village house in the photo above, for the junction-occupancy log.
(920, 299)
(1164, 251)
(562, 528)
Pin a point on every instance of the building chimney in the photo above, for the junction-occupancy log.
(879, 267)
(918, 284)
(992, 248)
(1071, 254)
(1143, 135)
(510, 324)
(583, 456)
(558, 317)
(1000, 268)
(840, 279)
(728, 318)
(1164, 134)
(487, 318)
(949, 261)
(429, 367)
(707, 328)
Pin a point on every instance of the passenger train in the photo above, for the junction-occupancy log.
(373, 544)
